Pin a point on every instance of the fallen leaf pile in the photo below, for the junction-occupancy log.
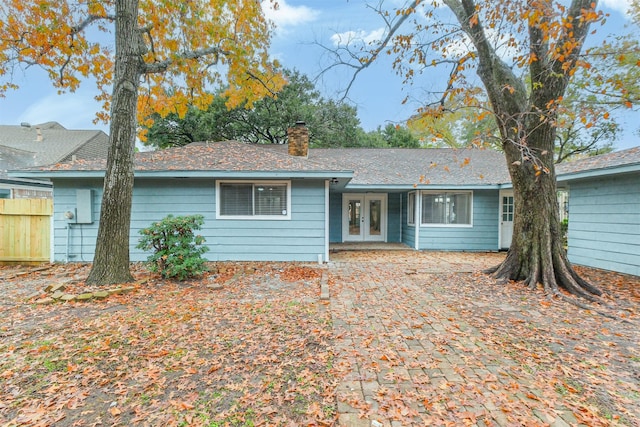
(256, 352)
(407, 338)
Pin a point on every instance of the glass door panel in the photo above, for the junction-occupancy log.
(375, 216)
(355, 217)
(506, 219)
(364, 217)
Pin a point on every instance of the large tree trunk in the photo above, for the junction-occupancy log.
(536, 255)
(526, 118)
(111, 261)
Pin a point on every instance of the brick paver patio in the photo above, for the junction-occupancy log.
(409, 354)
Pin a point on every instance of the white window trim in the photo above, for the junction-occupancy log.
(412, 208)
(470, 225)
(286, 217)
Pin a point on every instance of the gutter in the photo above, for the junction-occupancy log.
(593, 173)
(39, 174)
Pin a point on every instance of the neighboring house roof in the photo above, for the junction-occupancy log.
(13, 159)
(604, 164)
(50, 142)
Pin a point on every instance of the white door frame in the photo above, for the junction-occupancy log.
(505, 229)
(365, 199)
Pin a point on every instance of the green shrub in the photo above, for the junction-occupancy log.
(177, 251)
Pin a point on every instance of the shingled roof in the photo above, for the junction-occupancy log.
(404, 167)
(392, 167)
(13, 159)
(51, 142)
(206, 156)
(613, 160)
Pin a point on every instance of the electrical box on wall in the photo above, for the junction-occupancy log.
(84, 206)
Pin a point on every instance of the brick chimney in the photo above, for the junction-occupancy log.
(298, 140)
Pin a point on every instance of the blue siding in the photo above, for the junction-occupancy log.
(408, 231)
(335, 217)
(299, 239)
(74, 242)
(393, 217)
(604, 223)
(483, 236)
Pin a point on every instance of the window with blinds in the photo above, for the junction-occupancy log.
(447, 208)
(269, 200)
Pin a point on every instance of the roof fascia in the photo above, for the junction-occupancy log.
(411, 187)
(594, 173)
(27, 182)
(185, 174)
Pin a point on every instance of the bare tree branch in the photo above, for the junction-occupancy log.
(90, 20)
(162, 66)
(361, 63)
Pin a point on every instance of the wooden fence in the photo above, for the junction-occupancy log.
(25, 230)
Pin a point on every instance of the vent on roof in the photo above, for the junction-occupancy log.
(26, 125)
(39, 137)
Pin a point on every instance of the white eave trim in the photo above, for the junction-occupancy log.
(188, 174)
(406, 187)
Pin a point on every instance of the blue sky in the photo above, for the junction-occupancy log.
(377, 92)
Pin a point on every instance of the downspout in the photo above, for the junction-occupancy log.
(400, 218)
(500, 195)
(52, 240)
(66, 256)
(326, 220)
(69, 216)
(417, 220)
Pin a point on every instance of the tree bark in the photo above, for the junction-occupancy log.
(526, 118)
(111, 260)
(536, 255)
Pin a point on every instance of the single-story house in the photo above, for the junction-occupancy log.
(289, 203)
(26, 146)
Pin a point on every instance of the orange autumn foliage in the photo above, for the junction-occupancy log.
(190, 48)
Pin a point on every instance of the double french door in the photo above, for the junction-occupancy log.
(364, 217)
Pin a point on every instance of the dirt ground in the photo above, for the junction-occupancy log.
(252, 344)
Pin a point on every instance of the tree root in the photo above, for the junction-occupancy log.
(491, 270)
(558, 275)
(582, 305)
(552, 290)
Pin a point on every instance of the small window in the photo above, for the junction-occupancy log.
(446, 208)
(253, 200)
(411, 208)
(507, 208)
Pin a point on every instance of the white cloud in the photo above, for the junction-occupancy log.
(72, 110)
(621, 6)
(349, 37)
(288, 16)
